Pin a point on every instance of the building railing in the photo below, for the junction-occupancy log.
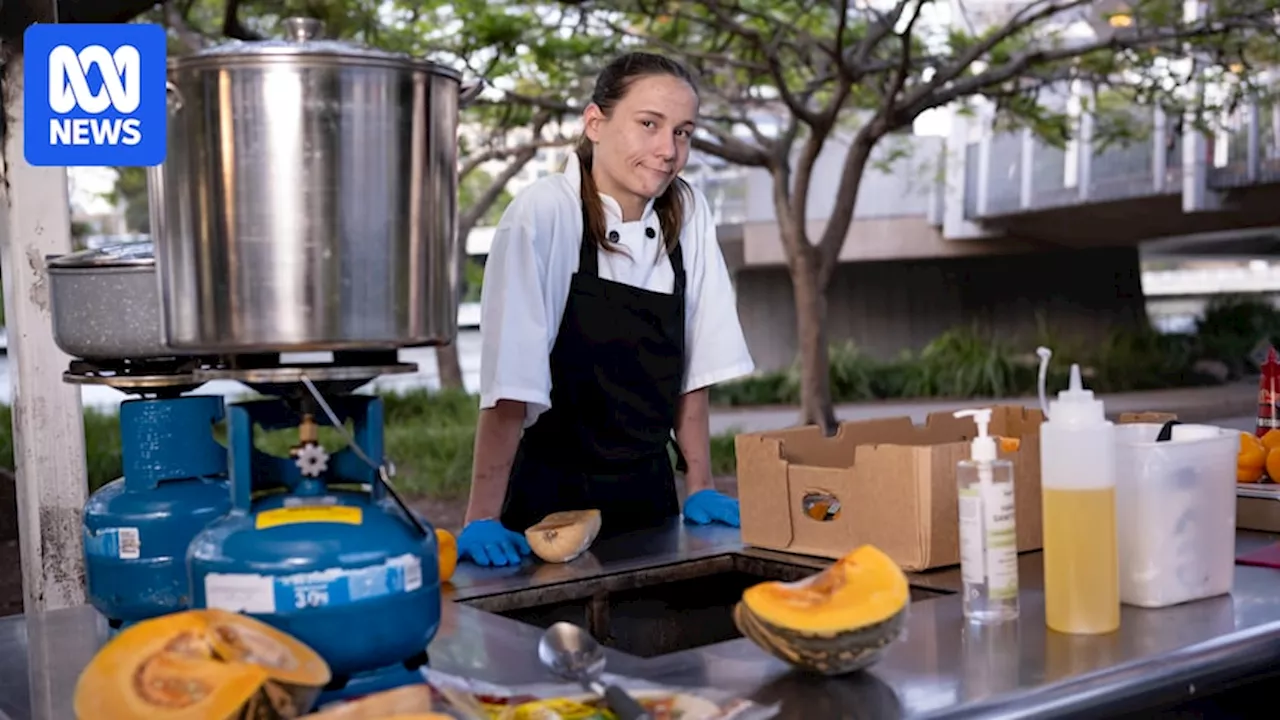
(1012, 172)
(1025, 173)
(1248, 150)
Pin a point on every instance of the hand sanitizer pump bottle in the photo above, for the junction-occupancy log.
(988, 530)
(1078, 493)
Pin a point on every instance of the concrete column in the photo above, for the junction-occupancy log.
(955, 226)
(48, 427)
(1253, 151)
(1196, 159)
(1159, 155)
(1084, 156)
(1028, 161)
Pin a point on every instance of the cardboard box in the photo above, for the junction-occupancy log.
(895, 483)
(1258, 507)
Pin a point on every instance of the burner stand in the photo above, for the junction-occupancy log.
(151, 377)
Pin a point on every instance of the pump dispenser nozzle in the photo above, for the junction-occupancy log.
(983, 447)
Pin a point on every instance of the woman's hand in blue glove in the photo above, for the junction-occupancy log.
(708, 506)
(487, 542)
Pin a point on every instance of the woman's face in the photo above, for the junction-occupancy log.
(644, 143)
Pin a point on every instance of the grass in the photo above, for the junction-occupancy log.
(428, 435)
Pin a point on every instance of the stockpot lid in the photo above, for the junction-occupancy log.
(303, 39)
(129, 254)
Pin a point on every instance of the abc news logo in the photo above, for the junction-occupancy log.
(121, 91)
(94, 95)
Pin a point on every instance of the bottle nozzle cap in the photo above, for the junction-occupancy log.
(1076, 403)
(983, 447)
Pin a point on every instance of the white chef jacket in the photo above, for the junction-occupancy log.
(526, 288)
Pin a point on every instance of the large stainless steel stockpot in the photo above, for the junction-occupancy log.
(105, 303)
(309, 198)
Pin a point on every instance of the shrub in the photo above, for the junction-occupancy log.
(967, 363)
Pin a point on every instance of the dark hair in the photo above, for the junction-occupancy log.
(611, 86)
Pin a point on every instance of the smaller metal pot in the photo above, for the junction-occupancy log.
(105, 303)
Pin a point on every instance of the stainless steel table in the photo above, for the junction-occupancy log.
(940, 669)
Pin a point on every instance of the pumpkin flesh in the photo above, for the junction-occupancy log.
(834, 622)
(562, 536)
(404, 702)
(862, 588)
(190, 666)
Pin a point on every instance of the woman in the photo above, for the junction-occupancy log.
(606, 313)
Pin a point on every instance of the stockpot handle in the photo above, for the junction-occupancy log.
(173, 95)
(469, 90)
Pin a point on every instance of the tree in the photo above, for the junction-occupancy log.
(131, 191)
(507, 132)
(479, 192)
(863, 71)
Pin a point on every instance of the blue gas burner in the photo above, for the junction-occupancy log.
(318, 545)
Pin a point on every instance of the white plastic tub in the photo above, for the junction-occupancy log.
(1175, 512)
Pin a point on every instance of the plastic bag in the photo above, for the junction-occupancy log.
(568, 701)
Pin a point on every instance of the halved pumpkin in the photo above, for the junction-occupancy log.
(834, 622)
(198, 665)
(563, 536)
(407, 701)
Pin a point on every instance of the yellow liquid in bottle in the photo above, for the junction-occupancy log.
(1081, 563)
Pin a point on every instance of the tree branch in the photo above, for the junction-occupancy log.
(175, 17)
(17, 15)
(231, 25)
(474, 161)
(932, 94)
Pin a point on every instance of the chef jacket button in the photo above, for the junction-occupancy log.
(613, 236)
(649, 233)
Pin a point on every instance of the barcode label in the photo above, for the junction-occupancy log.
(130, 544)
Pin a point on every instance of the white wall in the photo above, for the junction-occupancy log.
(903, 191)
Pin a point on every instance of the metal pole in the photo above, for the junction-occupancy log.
(48, 425)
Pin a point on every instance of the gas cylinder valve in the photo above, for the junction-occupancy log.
(309, 455)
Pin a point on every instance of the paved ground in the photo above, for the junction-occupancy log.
(1190, 404)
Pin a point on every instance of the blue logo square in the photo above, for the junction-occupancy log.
(94, 95)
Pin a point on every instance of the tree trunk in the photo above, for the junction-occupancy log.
(449, 367)
(811, 331)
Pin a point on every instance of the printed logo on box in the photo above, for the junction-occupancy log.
(94, 95)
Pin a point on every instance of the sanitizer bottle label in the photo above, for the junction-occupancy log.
(972, 561)
(1002, 543)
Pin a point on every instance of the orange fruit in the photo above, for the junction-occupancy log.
(1271, 440)
(1009, 444)
(448, 554)
(1273, 465)
(1252, 459)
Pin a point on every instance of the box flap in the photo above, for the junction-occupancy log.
(762, 489)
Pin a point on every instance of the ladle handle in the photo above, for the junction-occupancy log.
(623, 705)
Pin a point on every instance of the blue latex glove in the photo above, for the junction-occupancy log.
(708, 506)
(487, 542)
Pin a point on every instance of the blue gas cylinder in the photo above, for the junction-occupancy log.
(137, 528)
(342, 570)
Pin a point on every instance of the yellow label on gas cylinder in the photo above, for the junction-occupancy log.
(298, 515)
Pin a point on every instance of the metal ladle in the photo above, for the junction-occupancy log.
(570, 652)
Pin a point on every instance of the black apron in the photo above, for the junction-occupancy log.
(617, 368)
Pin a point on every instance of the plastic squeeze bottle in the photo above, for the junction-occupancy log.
(1078, 493)
(988, 530)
